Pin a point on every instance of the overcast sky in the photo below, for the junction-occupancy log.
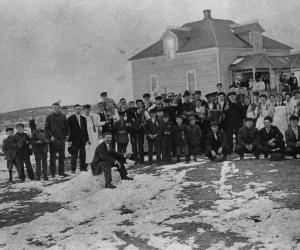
(71, 50)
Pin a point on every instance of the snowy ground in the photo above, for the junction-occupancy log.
(249, 204)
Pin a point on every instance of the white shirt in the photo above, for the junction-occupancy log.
(78, 119)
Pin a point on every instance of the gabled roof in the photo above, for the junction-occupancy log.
(205, 34)
(247, 27)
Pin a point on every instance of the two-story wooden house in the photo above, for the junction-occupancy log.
(200, 54)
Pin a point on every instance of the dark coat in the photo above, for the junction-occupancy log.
(56, 125)
(247, 136)
(234, 116)
(166, 133)
(9, 148)
(290, 137)
(22, 140)
(181, 135)
(78, 134)
(213, 144)
(265, 137)
(108, 127)
(194, 135)
(103, 156)
(153, 128)
(39, 142)
(121, 131)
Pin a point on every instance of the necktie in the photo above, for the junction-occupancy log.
(94, 127)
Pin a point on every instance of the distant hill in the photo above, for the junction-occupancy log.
(23, 115)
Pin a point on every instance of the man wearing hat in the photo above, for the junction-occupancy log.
(187, 107)
(216, 146)
(140, 116)
(121, 131)
(105, 158)
(153, 134)
(109, 104)
(9, 149)
(248, 140)
(234, 116)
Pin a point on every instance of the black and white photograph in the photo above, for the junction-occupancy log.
(149, 125)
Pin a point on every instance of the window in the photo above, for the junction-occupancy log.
(154, 85)
(191, 81)
(170, 48)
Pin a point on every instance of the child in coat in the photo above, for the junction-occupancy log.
(39, 143)
(9, 148)
(121, 133)
(181, 136)
(23, 153)
(194, 138)
(166, 139)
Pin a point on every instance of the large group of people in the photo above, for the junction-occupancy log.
(169, 126)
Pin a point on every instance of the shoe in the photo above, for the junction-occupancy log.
(46, 179)
(241, 157)
(109, 185)
(38, 179)
(256, 157)
(127, 178)
(63, 175)
(83, 170)
(53, 176)
(195, 158)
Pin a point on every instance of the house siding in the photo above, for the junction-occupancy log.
(226, 57)
(172, 73)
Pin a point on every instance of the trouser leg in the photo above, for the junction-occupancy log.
(158, 150)
(107, 172)
(29, 169)
(61, 161)
(38, 160)
(74, 157)
(122, 170)
(150, 150)
(133, 142)
(140, 144)
(82, 157)
(52, 160)
(44, 165)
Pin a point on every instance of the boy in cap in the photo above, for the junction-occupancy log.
(187, 107)
(23, 152)
(121, 131)
(39, 143)
(147, 101)
(216, 146)
(181, 137)
(9, 149)
(166, 139)
(153, 136)
(247, 139)
(194, 138)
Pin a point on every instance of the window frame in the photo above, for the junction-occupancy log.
(187, 78)
(170, 56)
(150, 84)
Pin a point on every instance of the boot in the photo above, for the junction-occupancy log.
(195, 158)
(10, 176)
(178, 158)
(109, 185)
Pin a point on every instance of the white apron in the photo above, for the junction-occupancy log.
(93, 136)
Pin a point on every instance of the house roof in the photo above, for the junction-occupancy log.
(261, 61)
(205, 34)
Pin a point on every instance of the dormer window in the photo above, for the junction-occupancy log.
(170, 48)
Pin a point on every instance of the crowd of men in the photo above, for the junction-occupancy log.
(173, 126)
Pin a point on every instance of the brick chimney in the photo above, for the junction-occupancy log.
(206, 14)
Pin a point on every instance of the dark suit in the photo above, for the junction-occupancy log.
(247, 136)
(265, 137)
(105, 159)
(153, 128)
(291, 141)
(79, 137)
(214, 144)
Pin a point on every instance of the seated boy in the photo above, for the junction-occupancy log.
(39, 143)
(9, 148)
(216, 145)
(23, 153)
(271, 139)
(247, 139)
(292, 137)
